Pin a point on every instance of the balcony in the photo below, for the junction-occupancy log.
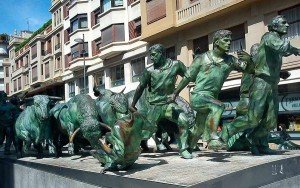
(17, 72)
(201, 9)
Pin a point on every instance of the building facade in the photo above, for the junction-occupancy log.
(112, 52)
(3, 55)
(185, 26)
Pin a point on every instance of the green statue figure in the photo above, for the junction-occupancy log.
(263, 95)
(209, 71)
(8, 116)
(238, 142)
(160, 81)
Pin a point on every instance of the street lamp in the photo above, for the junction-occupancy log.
(82, 53)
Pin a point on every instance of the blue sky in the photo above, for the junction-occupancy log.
(15, 13)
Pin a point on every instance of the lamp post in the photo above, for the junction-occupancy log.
(81, 40)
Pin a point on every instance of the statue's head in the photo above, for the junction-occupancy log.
(3, 96)
(158, 54)
(42, 104)
(222, 40)
(278, 24)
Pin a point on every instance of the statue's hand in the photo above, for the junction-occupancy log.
(171, 98)
(244, 56)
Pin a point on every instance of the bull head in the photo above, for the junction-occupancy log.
(119, 102)
(41, 104)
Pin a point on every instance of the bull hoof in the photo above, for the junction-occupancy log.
(161, 147)
(71, 149)
(186, 155)
(216, 145)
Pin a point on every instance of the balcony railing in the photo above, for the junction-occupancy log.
(199, 8)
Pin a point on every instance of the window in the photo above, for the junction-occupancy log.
(57, 44)
(113, 33)
(26, 61)
(7, 88)
(79, 22)
(108, 4)
(34, 74)
(200, 45)
(67, 35)
(49, 47)
(293, 17)
(129, 2)
(66, 10)
(100, 80)
(47, 70)
(27, 79)
(19, 83)
(6, 71)
(117, 75)
(77, 51)
(95, 16)
(170, 53)
(238, 38)
(135, 28)
(57, 63)
(15, 85)
(33, 51)
(137, 67)
(156, 10)
(42, 69)
(71, 89)
(96, 44)
(81, 85)
(67, 60)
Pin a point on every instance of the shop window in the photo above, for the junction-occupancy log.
(71, 89)
(117, 75)
(293, 17)
(200, 45)
(137, 68)
(79, 22)
(135, 28)
(156, 10)
(100, 80)
(108, 4)
(113, 33)
(171, 53)
(77, 51)
(238, 42)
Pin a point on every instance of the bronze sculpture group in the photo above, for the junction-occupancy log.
(115, 124)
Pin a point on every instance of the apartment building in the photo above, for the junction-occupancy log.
(185, 26)
(3, 55)
(109, 45)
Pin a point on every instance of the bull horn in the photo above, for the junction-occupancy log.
(123, 90)
(55, 98)
(105, 147)
(73, 135)
(105, 126)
